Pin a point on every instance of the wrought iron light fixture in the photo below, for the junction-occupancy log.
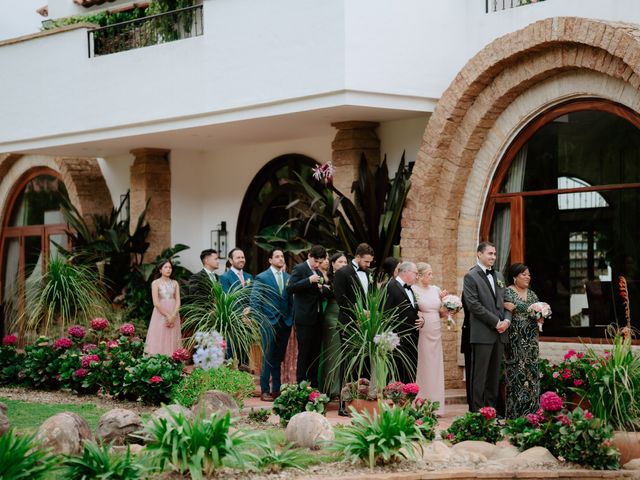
(219, 239)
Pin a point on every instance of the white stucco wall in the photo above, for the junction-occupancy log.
(398, 136)
(116, 173)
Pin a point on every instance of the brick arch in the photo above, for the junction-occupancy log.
(82, 177)
(465, 122)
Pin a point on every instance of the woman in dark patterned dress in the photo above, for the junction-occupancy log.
(522, 374)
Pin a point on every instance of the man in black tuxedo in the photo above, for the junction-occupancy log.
(465, 349)
(401, 297)
(200, 282)
(353, 280)
(488, 321)
(308, 290)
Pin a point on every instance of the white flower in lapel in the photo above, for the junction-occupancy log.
(501, 284)
(247, 282)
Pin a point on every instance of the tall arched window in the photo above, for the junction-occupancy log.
(32, 226)
(566, 201)
(268, 190)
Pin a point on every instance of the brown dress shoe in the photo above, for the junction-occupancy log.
(275, 394)
(265, 397)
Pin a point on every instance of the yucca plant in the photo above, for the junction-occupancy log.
(63, 295)
(100, 462)
(198, 447)
(388, 435)
(365, 337)
(614, 392)
(20, 458)
(228, 313)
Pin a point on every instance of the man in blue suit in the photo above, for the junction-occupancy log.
(270, 298)
(235, 277)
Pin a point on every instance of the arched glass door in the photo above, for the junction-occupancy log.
(566, 201)
(32, 228)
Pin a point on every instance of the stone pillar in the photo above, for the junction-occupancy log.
(352, 140)
(151, 181)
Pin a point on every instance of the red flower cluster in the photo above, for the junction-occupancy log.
(564, 419)
(550, 402)
(127, 329)
(81, 373)
(569, 354)
(588, 415)
(313, 396)
(155, 379)
(411, 389)
(488, 412)
(9, 340)
(87, 360)
(87, 347)
(535, 419)
(99, 324)
(63, 342)
(181, 355)
(77, 331)
(112, 344)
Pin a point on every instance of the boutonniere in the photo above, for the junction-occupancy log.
(247, 282)
(501, 284)
(370, 278)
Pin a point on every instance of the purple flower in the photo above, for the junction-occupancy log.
(87, 360)
(99, 324)
(63, 342)
(77, 331)
(87, 347)
(127, 329)
(550, 402)
(81, 373)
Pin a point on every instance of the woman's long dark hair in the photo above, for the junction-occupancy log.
(332, 259)
(514, 270)
(161, 264)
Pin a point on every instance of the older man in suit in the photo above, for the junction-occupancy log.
(270, 298)
(400, 296)
(488, 321)
(307, 287)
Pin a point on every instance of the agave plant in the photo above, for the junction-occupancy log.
(228, 313)
(326, 216)
(362, 347)
(65, 294)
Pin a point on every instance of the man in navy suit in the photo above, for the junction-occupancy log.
(235, 277)
(270, 298)
(308, 290)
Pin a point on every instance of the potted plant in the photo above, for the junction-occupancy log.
(358, 395)
(614, 392)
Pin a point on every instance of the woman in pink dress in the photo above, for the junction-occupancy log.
(164, 335)
(430, 368)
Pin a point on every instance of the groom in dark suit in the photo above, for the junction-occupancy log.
(308, 290)
(488, 321)
(270, 298)
(353, 280)
(400, 296)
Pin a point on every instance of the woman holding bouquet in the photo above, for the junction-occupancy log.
(430, 368)
(522, 374)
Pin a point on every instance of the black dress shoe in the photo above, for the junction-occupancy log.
(342, 412)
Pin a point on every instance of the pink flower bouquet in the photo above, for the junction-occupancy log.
(453, 305)
(539, 311)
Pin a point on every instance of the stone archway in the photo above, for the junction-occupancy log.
(500, 90)
(82, 177)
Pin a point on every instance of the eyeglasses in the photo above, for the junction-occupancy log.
(414, 271)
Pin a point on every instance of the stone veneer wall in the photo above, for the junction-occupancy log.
(501, 89)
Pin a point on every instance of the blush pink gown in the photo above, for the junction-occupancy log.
(430, 368)
(160, 338)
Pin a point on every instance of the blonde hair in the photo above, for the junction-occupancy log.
(423, 267)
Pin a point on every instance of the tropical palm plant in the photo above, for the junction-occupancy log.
(228, 313)
(326, 216)
(364, 351)
(64, 294)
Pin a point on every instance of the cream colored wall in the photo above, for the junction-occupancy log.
(115, 171)
(401, 135)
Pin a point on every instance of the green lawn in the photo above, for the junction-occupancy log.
(26, 417)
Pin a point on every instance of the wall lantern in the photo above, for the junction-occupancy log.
(219, 239)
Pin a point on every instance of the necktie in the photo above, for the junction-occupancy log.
(407, 286)
(212, 276)
(279, 281)
(241, 277)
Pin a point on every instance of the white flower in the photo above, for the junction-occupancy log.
(387, 341)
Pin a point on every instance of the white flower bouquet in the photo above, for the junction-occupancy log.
(210, 350)
(453, 304)
(539, 311)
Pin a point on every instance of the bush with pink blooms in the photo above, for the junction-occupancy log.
(575, 436)
(151, 379)
(481, 425)
(401, 393)
(574, 373)
(10, 360)
(41, 367)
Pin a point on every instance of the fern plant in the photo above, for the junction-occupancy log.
(20, 459)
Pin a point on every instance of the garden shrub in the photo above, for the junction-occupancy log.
(151, 378)
(267, 457)
(11, 361)
(261, 415)
(380, 439)
(82, 370)
(124, 353)
(479, 425)
(20, 459)
(101, 462)
(294, 399)
(42, 362)
(238, 384)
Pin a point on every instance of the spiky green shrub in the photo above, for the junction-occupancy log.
(101, 463)
(268, 457)
(21, 459)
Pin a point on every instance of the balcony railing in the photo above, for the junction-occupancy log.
(143, 32)
(496, 5)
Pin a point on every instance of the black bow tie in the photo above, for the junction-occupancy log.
(407, 286)
(362, 270)
(488, 271)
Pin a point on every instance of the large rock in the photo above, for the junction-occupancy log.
(117, 426)
(4, 419)
(64, 433)
(507, 451)
(309, 430)
(485, 449)
(436, 452)
(632, 464)
(214, 401)
(536, 457)
(166, 410)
